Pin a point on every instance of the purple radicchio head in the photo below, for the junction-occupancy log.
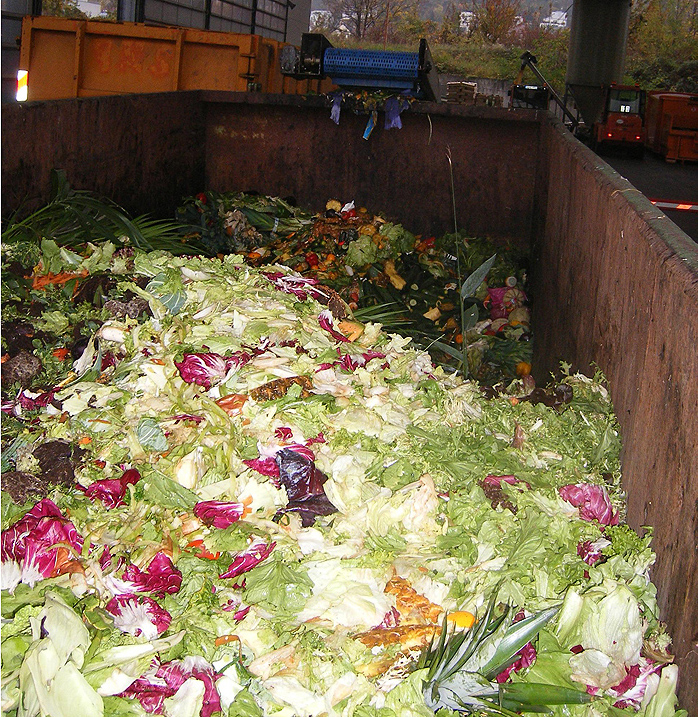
(139, 615)
(37, 545)
(592, 502)
(160, 578)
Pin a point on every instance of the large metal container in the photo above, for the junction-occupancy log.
(615, 283)
(598, 38)
(672, 125)
(85, 58)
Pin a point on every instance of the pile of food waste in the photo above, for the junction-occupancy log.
(225, 494)
(410, 283)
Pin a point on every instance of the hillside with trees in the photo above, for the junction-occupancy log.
(485, 38)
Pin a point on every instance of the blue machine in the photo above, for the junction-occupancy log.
(410, 72)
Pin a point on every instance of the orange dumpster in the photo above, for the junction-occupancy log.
(67, 58)
(672, 125)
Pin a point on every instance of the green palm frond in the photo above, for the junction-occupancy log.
(390, 315)
(270, 222)
(461, 665)
(72, 218)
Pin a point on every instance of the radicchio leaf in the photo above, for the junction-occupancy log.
(161, 577)
(298, 286)
(526, 657)
(304, 486)
(592, 501)
(631, 691)
(265, 466)
(326, 321)
(591, 552)
(39, 542)
(203, 368)
(154, 688)
(28, 401)
(218, 513)
(235, 606)
(139, 615)
(245, 560)
(111, 491)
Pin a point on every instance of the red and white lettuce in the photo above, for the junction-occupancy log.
(139, 615)
(38, 546)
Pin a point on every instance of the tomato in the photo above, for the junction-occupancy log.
(311, 259)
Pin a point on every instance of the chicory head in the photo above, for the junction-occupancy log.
(160, 578)
(218, 513)
(139, 615)
(592, 501)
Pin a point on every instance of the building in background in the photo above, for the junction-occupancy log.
(557, 20)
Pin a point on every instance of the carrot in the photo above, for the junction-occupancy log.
(202, 552)
(85, 441)
(233, 403)
(61, 353)
(63, 277)
(226, 639)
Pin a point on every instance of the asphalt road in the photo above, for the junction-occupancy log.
(663, 181)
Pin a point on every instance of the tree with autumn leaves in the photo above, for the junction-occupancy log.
(662, 50)
(494, 20)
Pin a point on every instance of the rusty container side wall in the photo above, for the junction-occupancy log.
(145, 152)
(616, 285)
(292, 148)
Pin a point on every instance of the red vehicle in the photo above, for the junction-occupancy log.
(623, 120)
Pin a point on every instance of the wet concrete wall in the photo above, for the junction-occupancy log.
(616, 286)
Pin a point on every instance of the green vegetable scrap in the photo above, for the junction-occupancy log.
(223, 494)
(380, 268)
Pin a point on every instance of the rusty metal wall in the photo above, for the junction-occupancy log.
(291, 147)
(143, 151)
(616, 285)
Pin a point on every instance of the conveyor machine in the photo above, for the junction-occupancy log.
(410, 72)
